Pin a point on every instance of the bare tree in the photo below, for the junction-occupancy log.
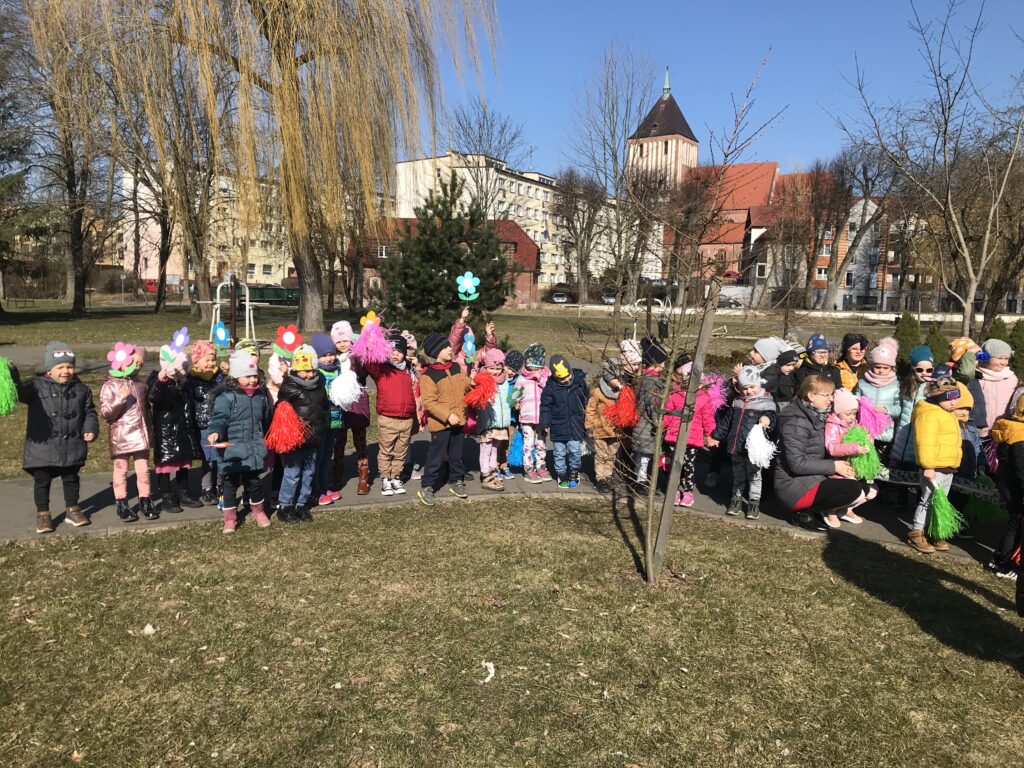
(956, 147)
(579, 200)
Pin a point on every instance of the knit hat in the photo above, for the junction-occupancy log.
(885, 352)
(844, 400)
(515, 360)
(609, 371)
(304, 359)
(57, 353)
(249, 345)
(817, 341)
(201, 349)
(997, 348)
(323, 344)
(493, 358)
(787, 358)
(652, 352)
(434, 344)
(534, 356)
(749, 376)
(853, 340)
(770, 348)
(681, 360)
(410, 341)
(966, 398)
(243, 363)
(630, 352)
(959, 347)
(399, 342)
(941, 389)
(921, 354)
(341, 331)
(560, 367)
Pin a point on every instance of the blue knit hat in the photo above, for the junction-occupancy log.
(323, 344)
(921, 354)
(817, 341)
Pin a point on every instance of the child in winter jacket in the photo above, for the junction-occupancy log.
(922, 367)
(356, 417)
(303, 389)
(604, 434)
(939, 452)
(514, 362)
(61, 423)
(204, 376)
(175, 437)
(396, 414)
(779, 379)
(754, 408)
(324, 491)
(443, 386)
(240, 417)
(879, 385)
(852, 363)
(125, 407)
(532, 380)
(649, 391)
(562, 409)
(702, 424)
(1008, 433)
(458, 334)
(998, 385)
(842, 418)
(492, 422)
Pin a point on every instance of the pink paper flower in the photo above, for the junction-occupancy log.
(120, 357)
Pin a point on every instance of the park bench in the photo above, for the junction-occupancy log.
(21, 302)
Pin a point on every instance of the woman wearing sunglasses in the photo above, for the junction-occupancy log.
(922, 370)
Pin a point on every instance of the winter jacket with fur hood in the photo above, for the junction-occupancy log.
(128, 423)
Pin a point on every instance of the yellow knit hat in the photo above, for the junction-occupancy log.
(304, 359)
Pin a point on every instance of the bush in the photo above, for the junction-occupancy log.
(1017, 342)
(908, 334)
(998, 330)
(939, 344)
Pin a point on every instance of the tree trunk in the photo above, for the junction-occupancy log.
(967, 323)
(79, 273)
(582, 276)
(832, 292)
(137, 237)
(307, 271)
(164, 255)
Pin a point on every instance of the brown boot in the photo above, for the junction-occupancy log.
(364, 477)
(917, 540)
(492, 483)
(43, 522)
(940, 545)
(74, 516)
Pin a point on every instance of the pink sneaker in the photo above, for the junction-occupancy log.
(532, 477)
(325, 499)
(687, 500)
(542, 473)
(335, 495)
(678, 501)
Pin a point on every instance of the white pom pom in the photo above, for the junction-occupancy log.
(345, 389)
(760, 450)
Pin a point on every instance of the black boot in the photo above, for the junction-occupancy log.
(148, 510)
(287, 515)
(124, 512)
(209, 498)
(304, 513)
(168, 493)
(185, 498)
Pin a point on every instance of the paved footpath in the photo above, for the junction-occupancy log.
(883, 524)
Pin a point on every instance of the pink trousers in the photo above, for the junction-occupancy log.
(141, 460)
(488, 457)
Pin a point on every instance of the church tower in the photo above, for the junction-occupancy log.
(664, 143)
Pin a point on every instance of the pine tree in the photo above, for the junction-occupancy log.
(449, 239)
(908, 334)
(938, 343)
(998, 330)
(1016, 339)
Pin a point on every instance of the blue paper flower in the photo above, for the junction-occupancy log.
(220, 335)
(469, 343)
(180, 340)
(467, 286)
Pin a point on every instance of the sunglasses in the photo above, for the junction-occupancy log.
(924, 370)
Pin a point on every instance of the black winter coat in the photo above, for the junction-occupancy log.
(733, 425)
(242, 421)
(803, 462)
(58, 417)
(563, 407)
(309, 399)
(808, 368)
(199, 391)
(781, 387)
(175, 437)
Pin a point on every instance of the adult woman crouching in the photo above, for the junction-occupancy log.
(808, 482)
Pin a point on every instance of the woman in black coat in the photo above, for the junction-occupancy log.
(805, 479)
(175, 437)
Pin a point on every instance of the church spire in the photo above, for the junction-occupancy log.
(667, 90)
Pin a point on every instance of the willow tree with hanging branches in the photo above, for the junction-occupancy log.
(341, 86)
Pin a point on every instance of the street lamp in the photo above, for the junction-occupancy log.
(122, 288)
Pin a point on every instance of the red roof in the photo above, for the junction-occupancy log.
(526, 252)
(728, 233)
(762, 216)
(745, 185)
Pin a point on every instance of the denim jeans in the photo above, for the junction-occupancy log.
(575, 450)
(297, 480)
(325, 462)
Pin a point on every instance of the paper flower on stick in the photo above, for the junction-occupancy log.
(467, 286)
(469, 346)
(369, 317)
(220, 335)
(122, 360)
(288, 340)
(180, 340)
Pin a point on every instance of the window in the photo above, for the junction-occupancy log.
(268, 270)
(641, 150)
(822, 273)
(1011, 306)
(542, 278)
(382, 251)
(762, 270)
(250, 270)
(826, 249)
(827, 234)
(849, 279)
(666, 149)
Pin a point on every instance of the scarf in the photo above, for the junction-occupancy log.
(398, 366)
(250, 391)
(329, 368)
(500, 378)
(989, 375)
(607, 391)
(440, 366)
(203, 375)
(879, 381)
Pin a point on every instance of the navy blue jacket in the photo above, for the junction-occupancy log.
(733, 425)
(563, 407)
(242, 421)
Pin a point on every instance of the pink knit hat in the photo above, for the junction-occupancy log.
(341, 331)
(494, 357)
(201, 349)
(885, 352)
(844, 400)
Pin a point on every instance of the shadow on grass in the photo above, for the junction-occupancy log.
(931, 597)
(627, 522)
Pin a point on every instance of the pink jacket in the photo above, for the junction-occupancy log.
(532, 384)
(702, 425)
(128, 429)
(835, 431)
(457, 335)
(998, 389)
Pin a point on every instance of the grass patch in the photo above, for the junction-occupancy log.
(360, 640)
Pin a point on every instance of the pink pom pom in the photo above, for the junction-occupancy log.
(372, 346)
(715, 385)
(874, 422)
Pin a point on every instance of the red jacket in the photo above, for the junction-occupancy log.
(395, 396)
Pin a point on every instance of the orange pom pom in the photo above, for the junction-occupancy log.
(622, 413)
(287, 431)
(483, 391)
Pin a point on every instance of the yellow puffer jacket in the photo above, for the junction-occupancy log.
(851, 376)
(936, 437)
(1008, 431)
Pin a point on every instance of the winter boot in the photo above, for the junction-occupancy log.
(168, 493)
(917, 540)
(753, 509)
(230, 519)
(364, 476)
(939, 544)
(44, 523)
(287, 515)
(184, 496)
(125, 512)
(305, 513)
(735, 507)
(259, 515)
(147, 509)
(208, 497)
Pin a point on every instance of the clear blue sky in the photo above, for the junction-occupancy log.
(548, 48)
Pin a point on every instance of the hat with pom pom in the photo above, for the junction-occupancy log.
(885, 352)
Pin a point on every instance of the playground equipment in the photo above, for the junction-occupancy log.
(231, 286)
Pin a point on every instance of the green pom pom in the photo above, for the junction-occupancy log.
(8, 392)
(986, 481)
(983, 509)
(944, 521)
(867, 466)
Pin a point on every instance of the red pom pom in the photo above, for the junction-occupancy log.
(483, 391)
(287, 431)
(622, 413)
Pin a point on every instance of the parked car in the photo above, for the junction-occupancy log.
(728, 302)
(560, 298)
(608, 297)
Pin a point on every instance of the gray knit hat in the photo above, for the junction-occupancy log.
(609, 371)
(770, 348)
(56, 353)
(997, 348)
(242, 363)
(749, 376)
